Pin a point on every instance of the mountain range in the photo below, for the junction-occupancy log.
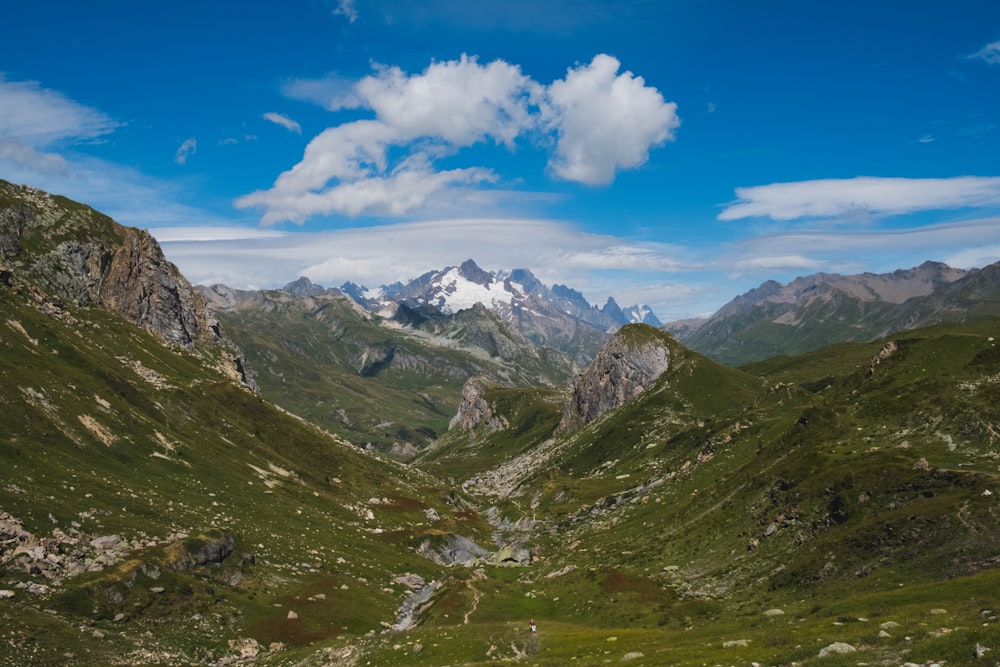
(171, 495)
(821, 309)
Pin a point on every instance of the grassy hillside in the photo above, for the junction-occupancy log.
(107, 435)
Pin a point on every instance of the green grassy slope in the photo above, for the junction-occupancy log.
(828, 502)
(106, 432)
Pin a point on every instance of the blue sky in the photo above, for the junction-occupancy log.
(674, 153)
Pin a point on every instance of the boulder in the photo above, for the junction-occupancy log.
(836, 648)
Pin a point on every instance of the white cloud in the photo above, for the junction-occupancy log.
(40, 116)
(605, 121)
(188, 148)
(459, 101)
(354, 157)
(331, 92)
(34, 119)
(831, 198)
(677, 281)
(283, 121)
(990, 54)
(16, 151)
(347, 9)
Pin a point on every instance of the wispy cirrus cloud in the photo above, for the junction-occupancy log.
(832, 198)
(36, 122)
(187, 148)
(676, 280)
(989, 54)
(347, 9)
(599, 121)
(284, 121)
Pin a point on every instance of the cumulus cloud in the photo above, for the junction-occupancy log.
(283, 121)
(188, 148)
(831, 198)
(460, 102)
(605, 121)
(602, 122)
(990, 54)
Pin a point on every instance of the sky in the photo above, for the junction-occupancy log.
(674, 153)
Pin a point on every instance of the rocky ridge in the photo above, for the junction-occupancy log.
(75, 253)
(813, 311)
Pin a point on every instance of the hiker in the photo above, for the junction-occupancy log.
(533, 628)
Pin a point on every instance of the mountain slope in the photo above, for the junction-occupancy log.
(823, 309)
(154, 501)
(389, 380)
(854, 483)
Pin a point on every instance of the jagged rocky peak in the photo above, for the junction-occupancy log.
(471, 272)
(631, 361)
(304, 287)
(77, 254)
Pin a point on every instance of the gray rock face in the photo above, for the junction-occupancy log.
(85, 257)
(632, 360)
(474, 410)
(452, 550)
(78, 255)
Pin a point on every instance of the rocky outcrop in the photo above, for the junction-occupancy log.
(627, 365)
(78, 256)
(210, 547)
(84, 257)
(885, 354)
(148, 290)
(474, 410)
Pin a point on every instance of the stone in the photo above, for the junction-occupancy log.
(632, 655)
(836, 648)
(4, 594)
(509, 555)
(774, 612)
(410, 580)
(736, 643)
(105, 542)
(292, 615)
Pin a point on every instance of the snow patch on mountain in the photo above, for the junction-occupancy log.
(453, 292)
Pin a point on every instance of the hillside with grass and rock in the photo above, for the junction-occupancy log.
(169, 498)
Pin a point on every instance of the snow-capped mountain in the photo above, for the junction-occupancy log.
(558, 316)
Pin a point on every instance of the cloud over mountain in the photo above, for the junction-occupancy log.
(599, 122)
